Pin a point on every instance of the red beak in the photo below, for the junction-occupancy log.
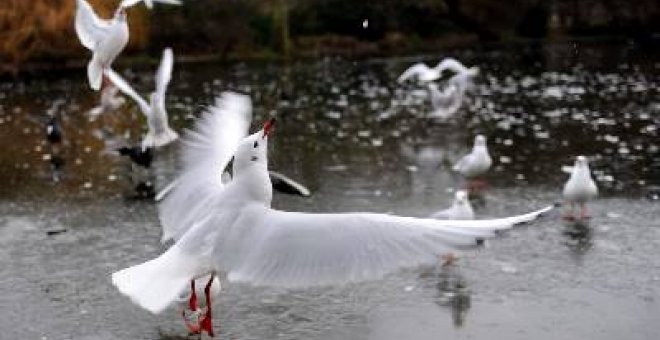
(268, 127)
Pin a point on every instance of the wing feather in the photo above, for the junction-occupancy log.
(164, 73)
(299, 250)
(205, 152)
(451, 64)
(89, 27)
(413, 71)
(126, 88)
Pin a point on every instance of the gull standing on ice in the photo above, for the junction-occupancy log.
(459, 210)
(580, 188)
(105, 38)
(423, 74)
(475, 164)
(242, 239)
(159, 133)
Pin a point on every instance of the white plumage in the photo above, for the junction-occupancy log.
(159, 132)
(461, 209)
(239, 235)
(105, 38)
(206, 151)
(422, 73)
(580, 187)
(477, 162)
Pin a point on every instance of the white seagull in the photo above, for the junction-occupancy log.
(459, 210)
(159, 133)
(476, 163)
(242, 239)
(422, 73)
(105, 38)
(580, 187)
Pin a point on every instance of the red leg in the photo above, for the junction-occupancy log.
(584, 214)
(471, 187)
(448, 260)
(192, 304)
(476, 186)
(481, 184)
(206, 323)
(570, 216)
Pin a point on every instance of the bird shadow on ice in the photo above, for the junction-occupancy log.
(452, 290)
(477, 199)
(578, 236)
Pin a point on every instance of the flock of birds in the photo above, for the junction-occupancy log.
(217, 212)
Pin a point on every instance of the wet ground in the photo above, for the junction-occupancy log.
(361, 143)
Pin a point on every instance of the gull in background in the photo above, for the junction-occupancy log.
(475, 164)
(459, 210)
(105, 38)
(424, 74)
(242, 239)
(159, 133)
(580, 188)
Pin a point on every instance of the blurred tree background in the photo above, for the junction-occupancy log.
(38, 32)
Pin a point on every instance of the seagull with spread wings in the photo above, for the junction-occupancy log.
(239, 236)
(105, 38)
(159, 133)
(423, 73)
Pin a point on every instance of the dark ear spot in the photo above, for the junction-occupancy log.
(256, 144)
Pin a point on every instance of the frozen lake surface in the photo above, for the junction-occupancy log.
(361, 143)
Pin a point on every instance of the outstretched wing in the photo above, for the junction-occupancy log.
(89, 27)
(164, 73)
(206, 151)
(298, 250)
(148, 3)
(413, 72)
(451, 64)
(125, 88)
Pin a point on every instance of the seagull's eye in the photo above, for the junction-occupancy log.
(256, 144)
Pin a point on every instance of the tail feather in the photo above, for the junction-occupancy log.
(157, 283)
(95, 74)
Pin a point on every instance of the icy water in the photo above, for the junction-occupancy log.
(360, 142)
